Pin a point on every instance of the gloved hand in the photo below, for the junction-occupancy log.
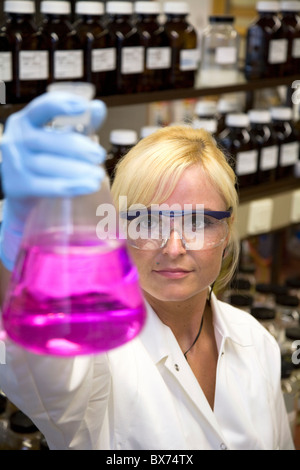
(39, 161)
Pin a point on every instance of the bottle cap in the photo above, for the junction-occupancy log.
(150, 8)
(281, 113)
(19, 6)
(259, 116)
(237, 120)
(119, 8)
(123, 137)
(210, 125)
(179, 8)
(148, 130)
(228, 105)
(290, 6)
(54, 7)
(89, 8)
(263, 313)
(20, 423)
(268, 6)
(206, 108)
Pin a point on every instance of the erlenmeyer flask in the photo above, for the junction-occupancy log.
(74, 289)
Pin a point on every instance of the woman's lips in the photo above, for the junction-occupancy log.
(172, 273)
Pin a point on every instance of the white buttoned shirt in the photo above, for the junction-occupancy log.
(144, 394)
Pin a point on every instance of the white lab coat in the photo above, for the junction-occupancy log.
(144, 395)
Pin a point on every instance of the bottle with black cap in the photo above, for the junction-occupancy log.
(290, 19)
(121, 141)
(220, 52)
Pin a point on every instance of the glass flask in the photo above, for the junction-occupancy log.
(74, 289)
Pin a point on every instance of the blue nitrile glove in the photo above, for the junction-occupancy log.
(42, 162)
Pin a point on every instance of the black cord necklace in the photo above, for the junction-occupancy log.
(195, 340)
(201, 324)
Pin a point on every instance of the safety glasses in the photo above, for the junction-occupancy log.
(198, 229)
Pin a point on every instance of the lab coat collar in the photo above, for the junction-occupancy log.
(229, 324)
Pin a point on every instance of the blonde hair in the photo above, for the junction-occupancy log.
(150, 171)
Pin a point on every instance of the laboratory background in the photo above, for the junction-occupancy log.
(216, 75)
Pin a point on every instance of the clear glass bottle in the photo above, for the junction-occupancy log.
(121, 140)
(290, 19)
(74, 289)
(130, 51)
(157, 46)
(184, 44)
(63, 43)
(266, 142)
(288, 138)
(25, 58)
(239, 145)
(100, 56)
(220, 52)
(266, 44)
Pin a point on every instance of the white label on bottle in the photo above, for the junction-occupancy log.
(6, 66)
(289, 154)
(189, 59)
(226, 55)
(296, 49)
(68, 64)
(246, 162)
(269, 158)
(158, 58)
(33, 65)
(104, 60)
(278, 51)
(132, 59)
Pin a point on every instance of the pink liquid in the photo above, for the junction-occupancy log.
(71, 300)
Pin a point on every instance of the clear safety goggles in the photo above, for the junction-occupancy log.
(197, 229)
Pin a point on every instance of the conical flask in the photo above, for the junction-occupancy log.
(74, 289)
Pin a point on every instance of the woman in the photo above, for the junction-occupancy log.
(202, 374)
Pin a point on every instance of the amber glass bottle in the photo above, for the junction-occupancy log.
(130, 51)
(25, 60)
(290, 18)
(184, 43)
(266, 44)
(99, 51)
(240, 148)
(157, 47)
(261, 130)
(288, 137)
(121, 141)
(65, 51)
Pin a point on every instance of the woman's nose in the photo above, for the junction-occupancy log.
(175, 245)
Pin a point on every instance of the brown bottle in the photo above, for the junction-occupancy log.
(99, 51)
(24, 60)
(266, 44)
(282, 118)
(266, 142)
(240, 148)
(65, 51)
(157, 47)
(130, 51)
(184, 42)
(290, 19)
(121, 140)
